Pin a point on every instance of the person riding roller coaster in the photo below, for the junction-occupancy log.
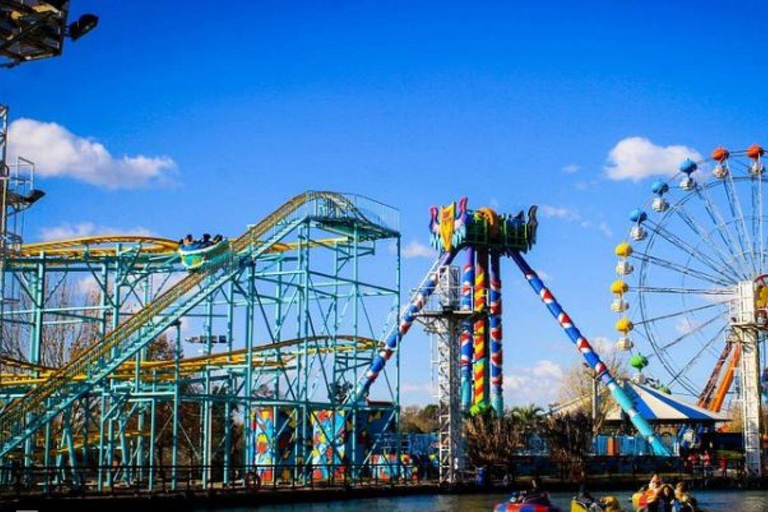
(196, 254)
(190, 244)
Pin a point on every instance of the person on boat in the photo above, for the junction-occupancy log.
(535, 494)
(684, 498)
(187, 241)
(587, 500)
(655, 484)
(206, 242)
(663, 501)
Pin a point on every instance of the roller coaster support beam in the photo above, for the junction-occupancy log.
(601, 370)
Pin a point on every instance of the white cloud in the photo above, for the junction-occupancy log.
(537, 384)
(57, 152)
(81, 229)
(547, 369)
(571, 168)
(416, 387)
(568, 215)
(554, 212)
(416, 249)
(635, 158)
(605, 229)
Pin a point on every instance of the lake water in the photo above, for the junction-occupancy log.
(713, 501)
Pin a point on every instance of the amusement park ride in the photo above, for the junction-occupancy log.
(693, 269)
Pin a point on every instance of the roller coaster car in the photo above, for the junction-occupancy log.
(195, 258)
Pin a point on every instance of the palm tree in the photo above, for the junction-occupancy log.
(529, 415)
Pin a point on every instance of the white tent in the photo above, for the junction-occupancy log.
(658, 407)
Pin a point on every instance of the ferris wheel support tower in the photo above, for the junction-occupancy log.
(746, 329)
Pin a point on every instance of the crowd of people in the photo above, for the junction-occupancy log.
(188, 243)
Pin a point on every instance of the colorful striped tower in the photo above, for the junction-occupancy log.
(601, 371)
(467, 290)
(494, 320)
(480, 360)
(406, 321)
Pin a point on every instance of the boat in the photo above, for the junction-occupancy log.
(194, 257)
(539, 503)
(607, 504)
(642, 498)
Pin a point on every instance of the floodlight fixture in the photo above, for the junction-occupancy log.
(82, 26)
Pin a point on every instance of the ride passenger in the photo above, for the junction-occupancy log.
(655, 484)
(587, 500)
(684, 498)
(537, 494)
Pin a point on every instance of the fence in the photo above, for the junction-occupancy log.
(138, 480)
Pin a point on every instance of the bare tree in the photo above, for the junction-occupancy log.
(577, 386)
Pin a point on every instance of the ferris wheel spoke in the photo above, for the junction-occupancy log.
(689, 291)
(698, 354)
(703, 233)
(681, 244)
(761, 220)
(682, 269)
(665, 362)
(721, 227)
(757, 222)
(737, 212)
(693, 330)
(681, 312)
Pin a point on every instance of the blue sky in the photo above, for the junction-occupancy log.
(510, 104)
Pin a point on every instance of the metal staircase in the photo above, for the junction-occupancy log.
(39, 406)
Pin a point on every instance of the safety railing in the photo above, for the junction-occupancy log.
(135, 480)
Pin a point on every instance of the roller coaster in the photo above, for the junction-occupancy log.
(287, 324)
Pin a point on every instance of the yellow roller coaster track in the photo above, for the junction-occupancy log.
(15, 414)
(164, 369)
(93, 247)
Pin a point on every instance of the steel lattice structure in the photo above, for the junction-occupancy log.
(299, 305)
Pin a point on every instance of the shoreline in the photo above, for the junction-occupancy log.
(217, 499)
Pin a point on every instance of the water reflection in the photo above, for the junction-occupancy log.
(713, 501)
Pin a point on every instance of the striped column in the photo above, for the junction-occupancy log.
(467, 290)
(494, 319)
(591, 357)
(480, 359)
(406, 321)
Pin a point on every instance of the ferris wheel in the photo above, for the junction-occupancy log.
(691, 276)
